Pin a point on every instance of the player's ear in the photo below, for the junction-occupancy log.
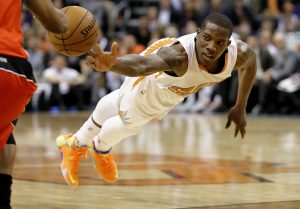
(198, 31)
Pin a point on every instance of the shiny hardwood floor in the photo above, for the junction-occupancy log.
(181, 162)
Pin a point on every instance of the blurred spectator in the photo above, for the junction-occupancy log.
(288, 20)
(210, 7)
(286, 62)
(171, 31)
(129, 45)
(268, 21)
(190, 27)
(167, 13)
(114, 81)
(265, 41)
(94, 86)
(36, 56)
(192, 12)
(103, 41)
(244, 30)
(264, 61)
(239, 13)
(152, 15)
(291, 87)
(66, 89)
(141, 32)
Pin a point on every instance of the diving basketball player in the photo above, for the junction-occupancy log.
(157, 80)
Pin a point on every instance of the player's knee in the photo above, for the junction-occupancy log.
(132, 128)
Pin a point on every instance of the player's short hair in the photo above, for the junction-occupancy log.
(218, 19)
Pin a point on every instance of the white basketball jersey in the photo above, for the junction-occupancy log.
(197, 76)
(154, 95)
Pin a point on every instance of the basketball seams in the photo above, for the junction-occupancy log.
(82, 33)
(92, 35)
(86, 13)
(63, 41)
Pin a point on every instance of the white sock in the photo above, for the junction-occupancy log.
(106, 108)
(87, 132)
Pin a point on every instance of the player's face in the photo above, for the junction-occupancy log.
(211, 43)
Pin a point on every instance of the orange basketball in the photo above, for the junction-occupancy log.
(81, 35)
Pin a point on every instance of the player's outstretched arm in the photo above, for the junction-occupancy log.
(246, 65)
(50, 17)
(166, 59)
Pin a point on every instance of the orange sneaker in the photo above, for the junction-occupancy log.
(105, 165)
(71, 155)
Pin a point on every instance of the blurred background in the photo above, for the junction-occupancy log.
(270, 27)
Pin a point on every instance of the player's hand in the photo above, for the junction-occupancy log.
(100, 60)
(237, 115)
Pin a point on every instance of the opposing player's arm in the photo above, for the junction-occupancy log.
(246, 65)
(166, 59)
(51, 18)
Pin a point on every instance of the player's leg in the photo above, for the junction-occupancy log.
(16, 86)
(107, 107)
(113, 131)
(7, 157)
(73, 147)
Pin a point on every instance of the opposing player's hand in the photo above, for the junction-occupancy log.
(238, 116)
(100, 60)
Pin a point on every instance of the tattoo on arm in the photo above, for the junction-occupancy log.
(176, 61)
(166, 59)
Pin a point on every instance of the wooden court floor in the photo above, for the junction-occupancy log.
(182, 162)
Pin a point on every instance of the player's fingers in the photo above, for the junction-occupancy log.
(92, 53)
(243, 130)
(90, 60)
(96, 50)
(228, 123)
(114, 49)
(236, 131)
(91, 65)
